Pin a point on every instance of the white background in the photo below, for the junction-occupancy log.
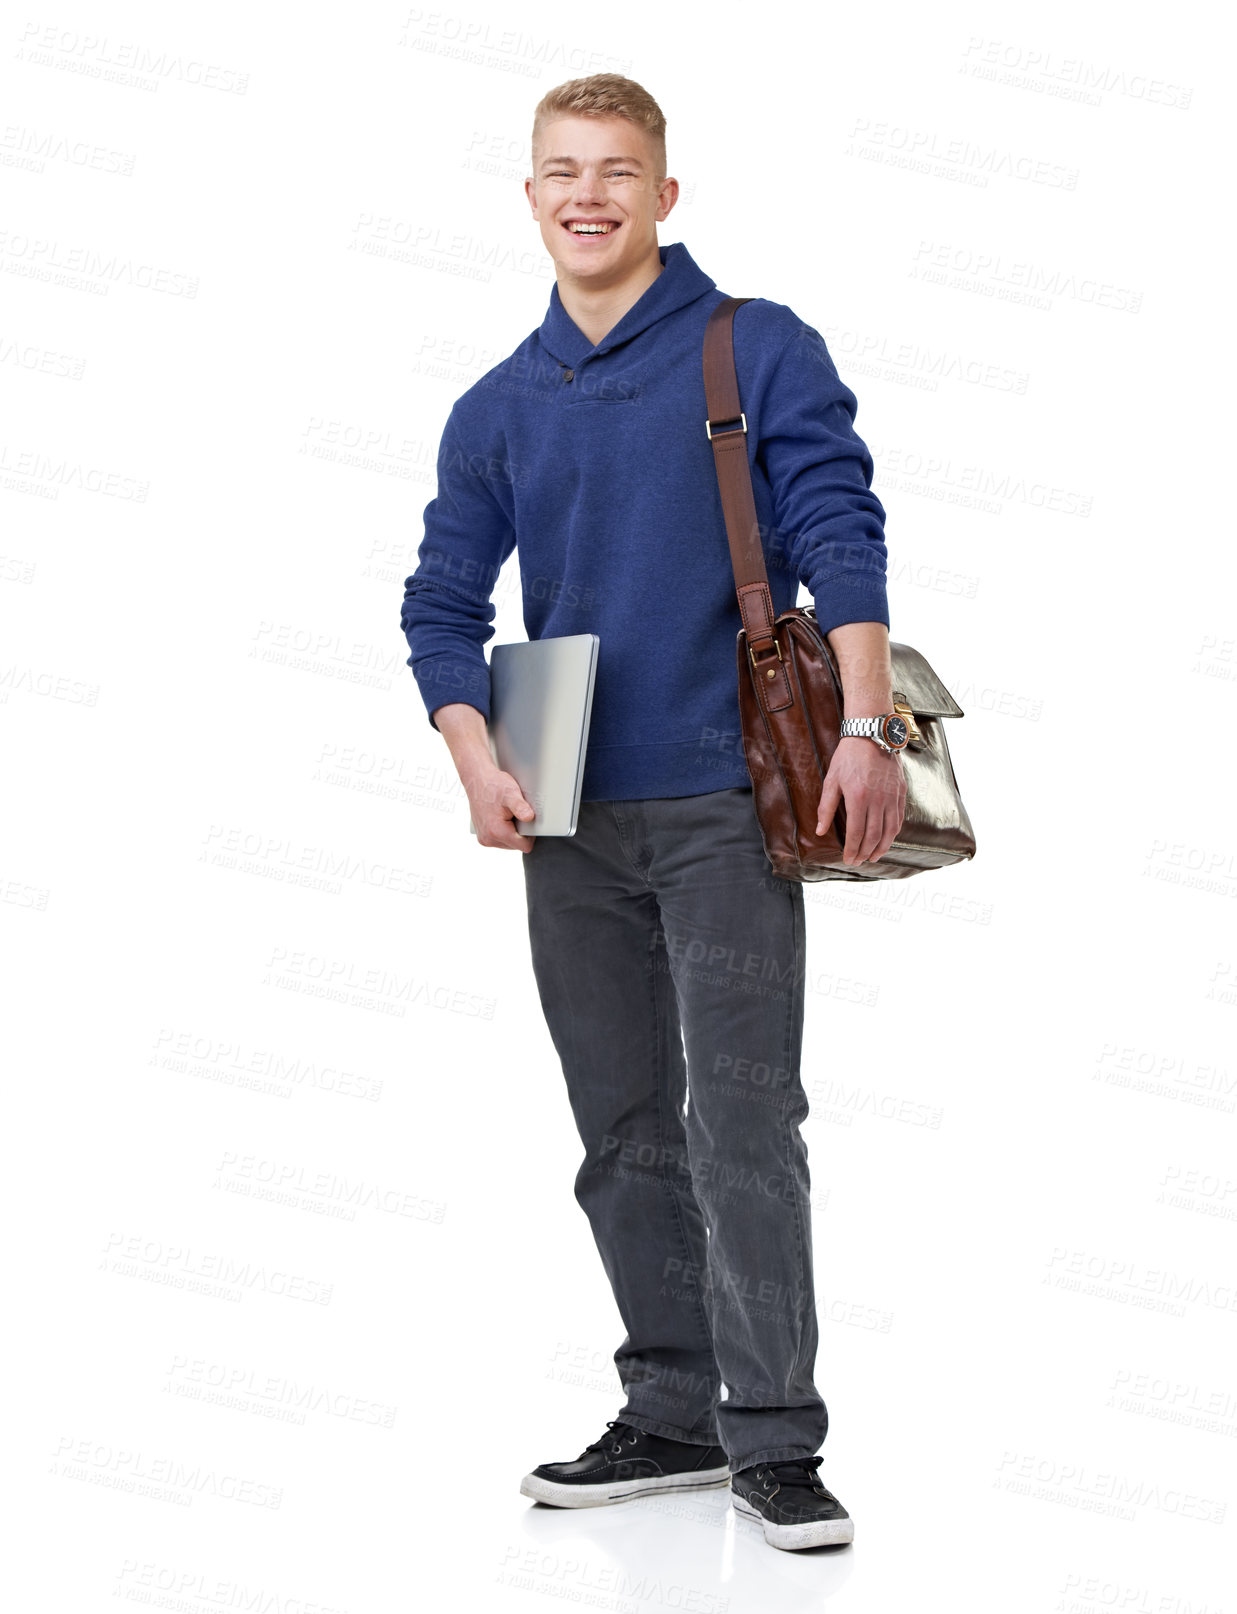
(298, 1286)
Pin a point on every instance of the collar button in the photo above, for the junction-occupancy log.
(569, 375)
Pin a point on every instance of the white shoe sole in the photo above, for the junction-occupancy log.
(793, 1537)
(600, 1496)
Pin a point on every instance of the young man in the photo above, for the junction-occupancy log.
(668, 957)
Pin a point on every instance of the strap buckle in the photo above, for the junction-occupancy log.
(908, 717)
(752, 654)
(740, 424)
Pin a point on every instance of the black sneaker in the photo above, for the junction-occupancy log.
(624, 1463)
(793, 1506)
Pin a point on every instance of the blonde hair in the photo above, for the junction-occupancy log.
(604, 95)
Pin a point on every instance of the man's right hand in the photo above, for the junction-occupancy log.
(495, 798)
(497, 803)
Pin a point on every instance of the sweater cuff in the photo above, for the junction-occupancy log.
(445, 679)
(852, 599)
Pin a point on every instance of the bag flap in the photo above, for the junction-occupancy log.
(915, 683)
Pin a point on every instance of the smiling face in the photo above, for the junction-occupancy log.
(598, 199)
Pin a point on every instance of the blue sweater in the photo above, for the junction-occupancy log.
(594, 460)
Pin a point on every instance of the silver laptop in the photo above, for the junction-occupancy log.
(541, 699)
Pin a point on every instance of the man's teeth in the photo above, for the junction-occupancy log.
(590, 229)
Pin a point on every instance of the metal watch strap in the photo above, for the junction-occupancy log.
(867, 728)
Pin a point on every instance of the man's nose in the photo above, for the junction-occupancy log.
(589, 189)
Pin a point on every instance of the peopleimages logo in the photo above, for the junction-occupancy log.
(991, 274)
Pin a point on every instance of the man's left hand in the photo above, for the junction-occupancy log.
(871, 784)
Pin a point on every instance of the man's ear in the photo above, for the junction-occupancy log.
(530, 190)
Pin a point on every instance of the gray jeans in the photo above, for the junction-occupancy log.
(670, 964)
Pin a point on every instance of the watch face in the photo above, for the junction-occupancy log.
(896, 732)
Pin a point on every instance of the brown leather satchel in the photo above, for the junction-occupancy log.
(790, 693)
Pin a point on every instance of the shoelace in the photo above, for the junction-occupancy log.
(614, 1438)
(797, 1471)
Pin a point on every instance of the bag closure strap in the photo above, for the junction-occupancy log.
(726, 428)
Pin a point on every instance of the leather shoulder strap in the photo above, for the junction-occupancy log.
(727, 430)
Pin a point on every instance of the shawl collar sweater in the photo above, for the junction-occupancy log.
(591, 461)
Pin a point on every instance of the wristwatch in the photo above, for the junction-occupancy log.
(889, 731)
